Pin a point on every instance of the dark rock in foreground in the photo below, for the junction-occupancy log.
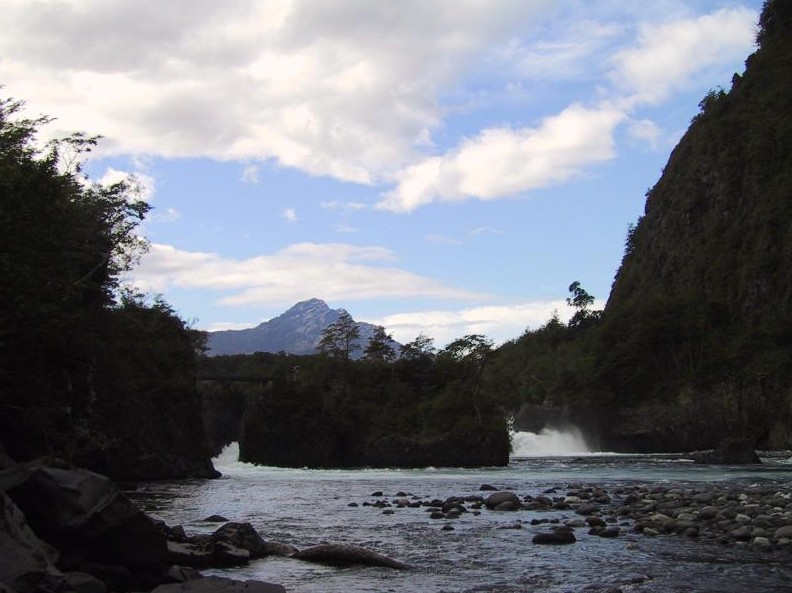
(220, 585)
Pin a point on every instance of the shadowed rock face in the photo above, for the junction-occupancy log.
(84, 515)
(26, 562)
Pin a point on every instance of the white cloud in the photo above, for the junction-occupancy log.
(142, 184)
(645, 130)
(336, 271)
(497, 322)
(502, 162)
(340, 87)
(250, 174)
(289, 214)
(670, 55)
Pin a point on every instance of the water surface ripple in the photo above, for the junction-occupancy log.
(484, 553)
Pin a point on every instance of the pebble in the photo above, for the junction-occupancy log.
(743, 517)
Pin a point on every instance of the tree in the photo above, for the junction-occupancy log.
(379, 347)
(338, 339)
(64, 245)
(581, 301)
(421, 347)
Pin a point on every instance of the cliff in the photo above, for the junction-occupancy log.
(697, 332)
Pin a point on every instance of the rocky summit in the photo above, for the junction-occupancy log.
(296, 331)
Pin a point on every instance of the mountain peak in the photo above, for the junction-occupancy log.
(297, 331)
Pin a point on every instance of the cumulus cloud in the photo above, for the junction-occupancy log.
(337, 271)
(290, 214)
(668, 56)
(497, 322)
(341, 87)
(507, 161)
(502, 162)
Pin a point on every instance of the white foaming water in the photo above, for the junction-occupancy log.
(229, 457)
(549, 442)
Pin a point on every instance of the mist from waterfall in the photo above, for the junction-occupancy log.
(549, 442)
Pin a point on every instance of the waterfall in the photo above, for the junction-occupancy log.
(229, 456)
(549, 442)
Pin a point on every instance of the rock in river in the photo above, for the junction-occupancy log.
(346, 555)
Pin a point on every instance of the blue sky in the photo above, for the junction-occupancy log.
(442, 167)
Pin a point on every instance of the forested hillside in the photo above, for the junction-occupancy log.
(695, 342)
(88, 373)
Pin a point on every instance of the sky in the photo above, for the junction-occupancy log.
(443, 167)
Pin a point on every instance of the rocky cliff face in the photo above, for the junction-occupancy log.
(697, 327)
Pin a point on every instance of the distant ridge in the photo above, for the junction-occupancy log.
(296, 331)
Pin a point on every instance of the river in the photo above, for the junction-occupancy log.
(491, 552)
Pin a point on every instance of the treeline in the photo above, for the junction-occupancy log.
(89, 373)
(329, 410)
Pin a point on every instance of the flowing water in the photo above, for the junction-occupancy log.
(485, 553)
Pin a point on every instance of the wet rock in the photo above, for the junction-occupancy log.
(279, 549)
(215, 519)
(346, 555)
(242, 536)
(783, 532)
(555, 537)
(587, 509)
(503, 501)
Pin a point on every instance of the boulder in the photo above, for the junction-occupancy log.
(26, 563)
(243, 536)
(206, 554)
(220, 585)
(82, 582)
(346, 555)
(503, 501)
(84, 515)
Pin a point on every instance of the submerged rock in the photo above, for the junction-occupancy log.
(555, 537)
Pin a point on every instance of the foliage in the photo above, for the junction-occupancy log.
(338, 339)
(78, 365)
(379, 348)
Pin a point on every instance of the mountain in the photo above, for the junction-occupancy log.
(296, 331)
